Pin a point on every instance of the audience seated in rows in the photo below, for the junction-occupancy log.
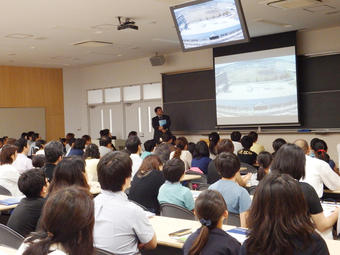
(172, 191)
(210, 238)
(22, 163)
(121, 227)
(246, 155)
(146, 183)
(236, 197)
(182, 152)
(24, 218)
(213, 140)
(201, 158)
(53, 154)
(235, 136)
(91, 157)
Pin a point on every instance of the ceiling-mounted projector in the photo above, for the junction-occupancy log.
(128, 23)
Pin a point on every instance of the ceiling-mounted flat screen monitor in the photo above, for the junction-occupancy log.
(210, 23)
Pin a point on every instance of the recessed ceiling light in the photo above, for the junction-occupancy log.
(119, 55)
(19, 36)
(274, 23)
(32, 47)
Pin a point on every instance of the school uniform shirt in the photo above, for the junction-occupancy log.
(236, 197)
(247, 156)
(237, 146)
(175, 193)
(91, 169)
(219, 243)
(144, 189)
(202, 163)
(145, 154)
(22, 163)
(103, 150)
(186, 157)
(318, 172)
(257, 148)
(119, 224)
(24, 218)
(317, 246)
(75, 152)
(9, 177)
(136, 163)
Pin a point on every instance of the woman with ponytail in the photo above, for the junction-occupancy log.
(211, 210)
(66, 225)
(213, 140)
(182, 152)
(320, 151)
(264, 159)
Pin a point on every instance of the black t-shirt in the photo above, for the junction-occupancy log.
(49, 169)
(25, 216)
(212, 175)
(247, 156)
(219, 243)
(318, 246)
(311, 197)
(144, 190)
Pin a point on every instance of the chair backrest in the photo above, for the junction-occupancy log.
(4, 191)
(250, 169)
(175, 211)
(98, 251)
(9, 237)
(233, 219)
(203, 178)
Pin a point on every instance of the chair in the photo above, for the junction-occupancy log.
(4, 191)
(175, 211)
(98, 251)
(233, 219)
(250, 169)
(9, 237)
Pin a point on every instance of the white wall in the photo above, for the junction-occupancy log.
(78, 80)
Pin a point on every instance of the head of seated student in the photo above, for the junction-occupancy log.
(253, 135)
(191, 148)
(105, 141)
(312, 143)
(247, 142)
(201, 150)
(69, 136)
(21, 143)
(163, 152)
(290, 159)
(71, 142)
(211, 210)
(53, 152)
(151, 162)
(132, 133)
(320, 150)
(133, 144)
(105, 132)
(173, 170)
(149, 145)
(114, 171)
(235, 136)
(40, 144)
(69, 171)
(33, 183)
(264, 159)
(303, 145)
(24, 135)
(79, 144)
(166, 137)
(35, 137)
(67, 220)
(181, 144)
(8, 154)
(87, 139)
(91, 151)
(227, 164)
(277, 143)
(29, 135)
(224, 145)
(38, 161)
(214, 137)
(279, 195)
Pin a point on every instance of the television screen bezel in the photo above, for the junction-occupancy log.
(242, 19)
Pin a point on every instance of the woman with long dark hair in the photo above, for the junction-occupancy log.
(201, 158)
(211, 210)
(66, 225)
(278, 221)
(264, 159)
(213, 140)
(182, 152)
(91, 157)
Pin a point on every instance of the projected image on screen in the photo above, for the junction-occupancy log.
(257, 88)
(208, 23)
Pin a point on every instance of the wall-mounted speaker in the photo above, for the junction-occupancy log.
(157, 60)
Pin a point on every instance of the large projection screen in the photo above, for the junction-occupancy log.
(257, 88)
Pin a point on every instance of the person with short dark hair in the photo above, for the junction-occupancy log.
(132, 133)
(31, 149)
(236, 197)
(24, 218)
(38, 161)
(257, 148)
(161, 124)
(214, 138)
(172, 191)
(105, 145)
(279, 222)
(87, 140)
(77, 148)
(235, 136)
(168, 139)
(117, 220)
(22, 163)
(149, 145)
(91, 157)
(163, 152)
(246, 155)
(210, 238)
(277, 143)
(39, 147)
(105, 132)
(53, 154)
(201, 158)
(9, 175)
(133, 145)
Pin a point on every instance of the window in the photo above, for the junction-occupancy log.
(95, 96)
(132, 93)
(152, 91)
(112, 95)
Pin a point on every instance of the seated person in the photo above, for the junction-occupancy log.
(121, 227)
(105, 145)
(213, 140)
(38, 160)
(211, 210)
(236, 197)
(149, 145)
(277, 143)
(163, 152)
(246, 155)
(235, 136)
(167, 138)
(77, 148)
(264, 159)
(53, 154)
(201, 158)
(172, 191)
(133, 145)
(257, 148)
(182, 152)
(91, 156)
(22, 163)
(146, 183)
(24, 218)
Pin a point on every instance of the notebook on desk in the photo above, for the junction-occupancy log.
(10, 201)
(240, 234)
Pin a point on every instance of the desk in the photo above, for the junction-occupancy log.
(331, 191)
(95, 188)
(190, 177)
(6, 207)
(7, 250)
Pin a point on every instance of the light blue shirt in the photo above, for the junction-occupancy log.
(176, 193)
(145, 154)
(236, 197)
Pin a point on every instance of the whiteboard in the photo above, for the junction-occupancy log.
(14, 121)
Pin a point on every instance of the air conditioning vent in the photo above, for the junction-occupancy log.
(291, 4)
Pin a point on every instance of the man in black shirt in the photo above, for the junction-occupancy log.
(25, 216)
(53, 154)
(161, 124)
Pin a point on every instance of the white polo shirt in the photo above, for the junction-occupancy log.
(120, 224)
(136, 163)
(318, 172)
(22, 163)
